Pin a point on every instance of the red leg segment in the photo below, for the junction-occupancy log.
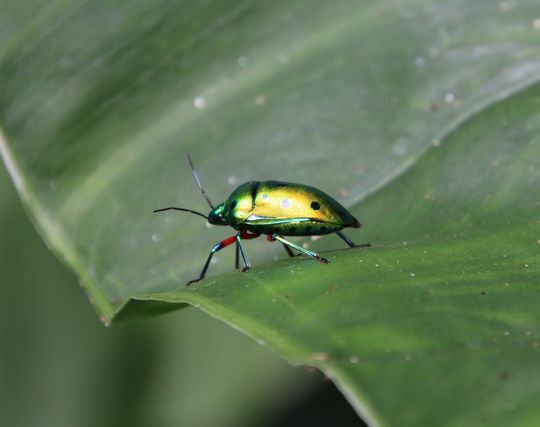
(223, 244)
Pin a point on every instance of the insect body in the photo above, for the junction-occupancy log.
(275, 209)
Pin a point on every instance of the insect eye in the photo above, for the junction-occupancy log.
(233, 204)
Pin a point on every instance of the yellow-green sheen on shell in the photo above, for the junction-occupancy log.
(285, 208)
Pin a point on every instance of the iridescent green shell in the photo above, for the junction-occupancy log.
(284, 208)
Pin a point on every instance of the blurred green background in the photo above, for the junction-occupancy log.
(59, 366)
(384, 81)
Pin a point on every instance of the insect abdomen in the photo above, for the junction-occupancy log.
(285, 208)
(282, 200)
(290, 227)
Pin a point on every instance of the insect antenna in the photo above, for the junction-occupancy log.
(198, 181)
(181, 209)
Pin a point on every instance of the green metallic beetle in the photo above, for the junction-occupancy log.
(275, 209)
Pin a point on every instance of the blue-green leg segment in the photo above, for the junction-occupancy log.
(299, 248)
(240, 248)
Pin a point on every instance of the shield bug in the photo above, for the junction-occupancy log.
(275, 209)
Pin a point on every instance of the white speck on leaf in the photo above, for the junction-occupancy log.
(199, 102)
(449, 98)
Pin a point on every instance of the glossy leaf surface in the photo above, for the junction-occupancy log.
(102, 102)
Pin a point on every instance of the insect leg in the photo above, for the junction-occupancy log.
(299, 248)
(218, 246)
(247, 265)
(270, 238)
(350, 242)
(239, 247)
(291, 254)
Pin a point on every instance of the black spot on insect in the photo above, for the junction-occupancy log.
(233, 204)
(254, 190)
(315, 206)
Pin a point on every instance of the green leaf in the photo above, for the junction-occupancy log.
(56, 357)
(435, 325)
(443, 308)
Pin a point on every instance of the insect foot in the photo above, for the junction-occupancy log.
(363, 245)
(193, 281)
